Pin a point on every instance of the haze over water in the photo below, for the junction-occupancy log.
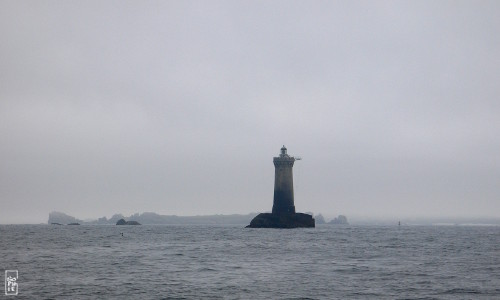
(231, 262)
(178, 107)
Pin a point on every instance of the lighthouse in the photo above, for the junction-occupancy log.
(283, 214)
(283, 183)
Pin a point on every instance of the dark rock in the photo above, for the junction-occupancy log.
(123, 222)
(74, 224)
(133, 223)
(55, 223)
(284, 220)
(115, 218)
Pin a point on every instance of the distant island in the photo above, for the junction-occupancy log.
(150, 218)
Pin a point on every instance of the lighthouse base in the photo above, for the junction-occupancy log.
(283, 220)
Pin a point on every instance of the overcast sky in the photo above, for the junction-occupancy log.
(178, 107)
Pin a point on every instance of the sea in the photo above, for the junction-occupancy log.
(233, 262)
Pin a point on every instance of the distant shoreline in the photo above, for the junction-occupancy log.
(150, 218)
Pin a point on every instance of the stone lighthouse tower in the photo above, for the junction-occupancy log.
(283, 183)
(283, 215)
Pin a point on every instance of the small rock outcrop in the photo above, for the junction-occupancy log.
(115, 218)
(123, 222)
(74, 224)
(133, 223)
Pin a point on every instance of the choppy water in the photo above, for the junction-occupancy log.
(231, 262)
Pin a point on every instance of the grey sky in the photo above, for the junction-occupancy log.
(178, 107)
